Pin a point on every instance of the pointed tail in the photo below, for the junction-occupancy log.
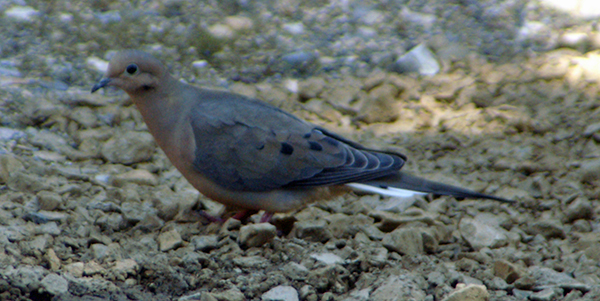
(403, 185)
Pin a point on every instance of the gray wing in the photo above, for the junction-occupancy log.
(245, 145)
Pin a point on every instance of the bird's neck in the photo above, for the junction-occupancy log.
(161, 109)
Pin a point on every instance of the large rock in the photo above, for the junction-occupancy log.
(128, 147)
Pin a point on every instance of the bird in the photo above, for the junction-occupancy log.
(252, 156)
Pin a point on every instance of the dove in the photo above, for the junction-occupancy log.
(249, 155)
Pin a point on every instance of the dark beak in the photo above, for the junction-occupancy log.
(101, 84)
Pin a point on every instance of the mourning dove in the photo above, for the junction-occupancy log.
(247, 154)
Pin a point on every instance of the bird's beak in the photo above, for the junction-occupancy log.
(101, 84)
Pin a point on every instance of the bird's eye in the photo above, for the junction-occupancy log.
(131, 69)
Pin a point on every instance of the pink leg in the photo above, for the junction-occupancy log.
(266, 217)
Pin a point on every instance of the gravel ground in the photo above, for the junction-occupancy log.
(91, 209)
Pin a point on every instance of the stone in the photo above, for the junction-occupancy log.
(205, 243)
(315, 230)
(399, 287)
(169, 240)
(124, 268)
(26, 278)
(55, 284)
(480, 234)
(256, 235)
(590, 170)
(507, 271)
(344, 226)
(48, 200)
(92, 268)
(9, 164)
(135, 176)
(419, 59)
(251, 262)
(53, 261)
(75, 269)
(548, 228)
(469, 293)
(281, 293)
(295, 271)
(580, 208)
(128, 148)
(381, 105)
(311, 88)
(232, 294)
(327, 258)
(406, 241)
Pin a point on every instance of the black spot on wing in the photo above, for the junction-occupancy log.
(307, 135)
(286, 148)
(316, 146)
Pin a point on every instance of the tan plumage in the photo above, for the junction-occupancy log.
(247, 154)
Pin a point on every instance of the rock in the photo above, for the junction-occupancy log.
(135, 176)
(251, 262)
(128, 148)
(48, 200)
(323, 278)
(281, 293)
(256, 235)
(295, 271)
(100, 251)
(232, 294)
(9, 164)
(580, 208)
(381, 105)
(546, 277)
(343, 225)
(548, 228)
(21, 181)
(327, 258)
(92, 268)
(548, 294)
(239, 23)
(469, 293)
(507, 271)
(205, 243)
(55, 284)
(311, 88)
(169, 240)
(315, 231)
(75, 269)
(591, 129)
(26, 278)
(21, 13)
(480, 234)
(406, 241)
(401, 287)
(590, 170)
(53, 260)
(124, 268)
(419, 59)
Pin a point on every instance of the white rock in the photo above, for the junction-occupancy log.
(327, 258)
(480, 234)
(21, 13)
(281, 293)
(586, 9)
(419, 59)
(200, 64)
(97, 64)
(294, 28)
(55, 284)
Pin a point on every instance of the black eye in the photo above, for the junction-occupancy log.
(132, 69)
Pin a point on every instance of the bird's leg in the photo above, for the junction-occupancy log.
(266, 217)
(244, 214)
(210, 218)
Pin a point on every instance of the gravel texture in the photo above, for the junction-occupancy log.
(91, 209)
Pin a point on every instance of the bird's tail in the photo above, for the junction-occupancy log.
(404, 185)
